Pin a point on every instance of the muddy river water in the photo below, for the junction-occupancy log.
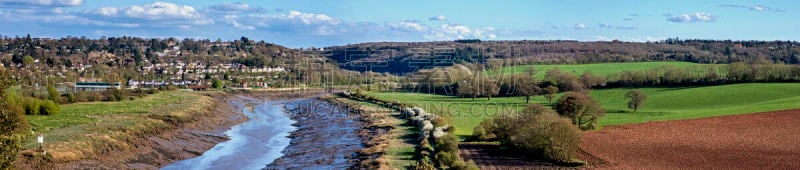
(284, 134)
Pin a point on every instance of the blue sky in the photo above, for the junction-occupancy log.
(307, 23)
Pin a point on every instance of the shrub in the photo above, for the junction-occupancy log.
(32, 105)
(483, 132)
(9, 146)
(116, 95)
(92, 97)
(71, 98)
(152, 91)
(217, 84)
(48, 107)
(537, 132)
(53, 94)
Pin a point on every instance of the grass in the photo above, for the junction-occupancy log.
(80, 127)
(662, 103)
(401, 152)
(698, 102)
(601, 69)
(403, 136)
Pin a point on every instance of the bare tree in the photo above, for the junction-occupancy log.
(637, 99)
(550, 93)
(468, 87)
(582, 109)
(589, 80)
(490, 88)
(525, 85)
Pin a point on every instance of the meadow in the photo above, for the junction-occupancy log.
(662, 103)
(90, 124)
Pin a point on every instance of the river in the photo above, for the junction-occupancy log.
(253, 144)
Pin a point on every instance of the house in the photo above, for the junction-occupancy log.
(96, 86)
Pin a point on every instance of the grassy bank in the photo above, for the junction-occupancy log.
(396, 147)
(84, 130)
(662, 103)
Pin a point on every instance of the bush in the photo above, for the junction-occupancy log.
(81, 97)
(53, 94)
(71, 98)
(32, 105)
(536, 131)
(48, 107)
(217, 84)
(92, 97)
(115, 95)
(9, 146)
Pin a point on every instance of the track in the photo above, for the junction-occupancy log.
(487, 156)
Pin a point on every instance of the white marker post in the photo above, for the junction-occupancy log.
(40, 139)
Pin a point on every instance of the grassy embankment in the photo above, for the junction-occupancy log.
(84, 130)
(662, 103)
(400, 147)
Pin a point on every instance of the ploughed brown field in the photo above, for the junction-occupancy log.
(769, 140)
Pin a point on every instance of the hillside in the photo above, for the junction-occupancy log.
(404, 57)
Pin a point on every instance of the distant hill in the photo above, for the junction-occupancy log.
(404, 57)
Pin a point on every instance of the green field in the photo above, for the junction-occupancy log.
(83, 125)
(662, 103)
(601, 69)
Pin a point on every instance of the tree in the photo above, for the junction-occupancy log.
(468, 87)
(217, 84)
(525, 85)
(12, 122)
(53, 94)
(550, 93)
(589, 80)
(490, 88)
(637, 99)
(27, 61)
(553, 75)
(582, 109)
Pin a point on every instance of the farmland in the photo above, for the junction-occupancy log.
(663, 103)
(750, 141)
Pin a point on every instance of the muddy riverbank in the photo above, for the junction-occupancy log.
(326, 137)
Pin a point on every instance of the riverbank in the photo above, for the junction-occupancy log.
(326, 136)
(174, 126)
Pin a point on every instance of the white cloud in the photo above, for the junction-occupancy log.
(759, 8)
(161, 10)
(310, 18)
(155, 14)
(438, 18)
(580, 27)
(693, 17)
(608, 26)
(408, 26)
(295, 22)
(233, 8)
(41, 3)
(232, 19)
(451, 32)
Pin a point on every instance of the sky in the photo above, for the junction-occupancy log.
(314, 23)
